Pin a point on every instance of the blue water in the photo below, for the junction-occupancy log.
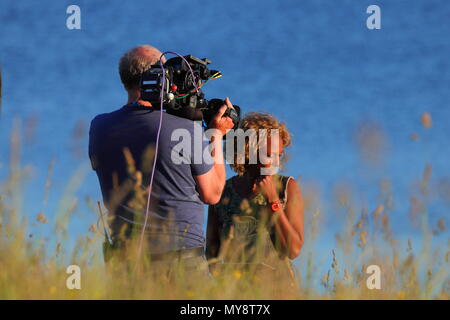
(312, 63)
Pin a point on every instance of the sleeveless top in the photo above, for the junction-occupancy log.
(247, 229)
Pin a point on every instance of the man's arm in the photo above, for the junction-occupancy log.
(210, 184)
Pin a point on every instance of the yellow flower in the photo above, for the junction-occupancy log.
(41, 218)
(426, 120)
(237, 274)
(93, 228)
(190, 294)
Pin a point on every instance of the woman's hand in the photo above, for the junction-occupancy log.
(266, 186)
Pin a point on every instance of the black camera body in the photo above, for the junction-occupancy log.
(182, 95)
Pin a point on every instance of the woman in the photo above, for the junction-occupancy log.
(258, 223)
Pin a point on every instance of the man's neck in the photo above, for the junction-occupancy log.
(134, 95)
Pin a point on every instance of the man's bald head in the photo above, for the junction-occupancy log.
(134, 62)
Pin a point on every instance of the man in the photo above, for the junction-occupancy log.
(122, 148)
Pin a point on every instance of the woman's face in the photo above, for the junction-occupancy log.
(270, 160)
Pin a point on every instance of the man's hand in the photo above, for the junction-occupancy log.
(210, 185)
(223, 124)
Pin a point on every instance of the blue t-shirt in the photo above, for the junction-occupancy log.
(176, 215)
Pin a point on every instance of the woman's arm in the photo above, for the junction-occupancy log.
(212, 234)
(289, 221)
(289, 224)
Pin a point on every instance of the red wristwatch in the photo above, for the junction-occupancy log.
(276, 205)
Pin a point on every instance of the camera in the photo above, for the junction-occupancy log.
(182, 95)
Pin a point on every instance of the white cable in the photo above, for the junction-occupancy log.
(157, 142)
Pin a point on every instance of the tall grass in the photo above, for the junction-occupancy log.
(34, 267)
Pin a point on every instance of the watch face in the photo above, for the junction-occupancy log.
(276, 206)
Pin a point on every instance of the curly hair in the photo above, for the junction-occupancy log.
(257, 121)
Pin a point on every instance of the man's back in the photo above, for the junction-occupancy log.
(176, 214)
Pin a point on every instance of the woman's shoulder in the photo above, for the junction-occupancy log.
(283, 180)
(230, 180)
(227, 191)
(227, 201)
(283, 184)
(283, 177)
(229, 183)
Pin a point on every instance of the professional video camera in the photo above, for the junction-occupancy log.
(182, 95)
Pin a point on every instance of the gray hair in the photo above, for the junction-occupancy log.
(135, 62)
